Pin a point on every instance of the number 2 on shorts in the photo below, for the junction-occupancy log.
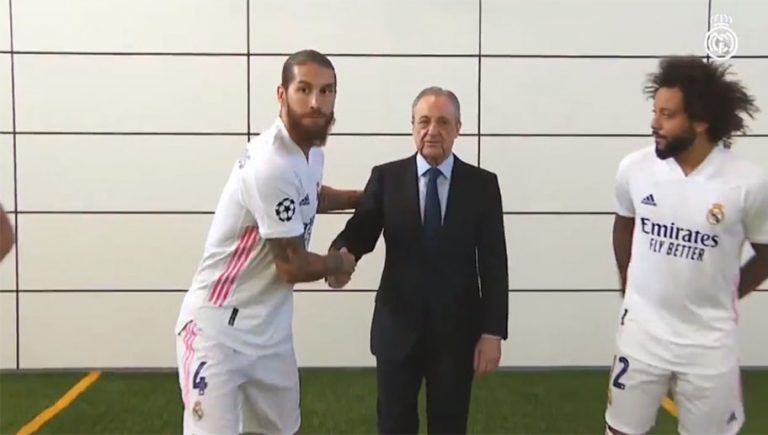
(624, 367)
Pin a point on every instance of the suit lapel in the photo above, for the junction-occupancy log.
(457, 193)
(410, 189)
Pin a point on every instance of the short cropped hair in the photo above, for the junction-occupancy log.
(304, 57)
(437, 91)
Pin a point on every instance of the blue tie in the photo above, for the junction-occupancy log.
(432, 213)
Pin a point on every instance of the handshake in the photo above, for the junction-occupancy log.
(343, 265)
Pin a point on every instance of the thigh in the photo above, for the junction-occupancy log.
(449, 377)
(710, 403)
(398, 383)
(634, 395)
(271, 397)
(209, 380)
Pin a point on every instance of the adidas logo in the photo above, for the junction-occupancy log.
(648, 200)
(732, 418)
(305, 200)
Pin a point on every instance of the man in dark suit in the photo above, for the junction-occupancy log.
(441, 307)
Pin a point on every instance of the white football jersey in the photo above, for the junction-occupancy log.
(236, 295)
(688, 243)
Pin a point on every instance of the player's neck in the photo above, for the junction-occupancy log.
(695, 155)
(305, 144)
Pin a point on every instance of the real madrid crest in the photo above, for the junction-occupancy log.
(721, 42)
(716, 214)
(197, 410)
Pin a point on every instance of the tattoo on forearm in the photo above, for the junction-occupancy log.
(286, 249)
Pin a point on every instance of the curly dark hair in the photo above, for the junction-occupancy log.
(708, 95)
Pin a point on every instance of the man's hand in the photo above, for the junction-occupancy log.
(339, 280)
(487, 355)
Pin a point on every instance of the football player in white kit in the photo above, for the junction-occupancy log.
(236, 362)
(686, 208)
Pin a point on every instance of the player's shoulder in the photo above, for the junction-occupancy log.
(743, 169)
(395, 167)
(270, 150)
(638, 160)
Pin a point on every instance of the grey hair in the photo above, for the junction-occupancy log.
(437, 91)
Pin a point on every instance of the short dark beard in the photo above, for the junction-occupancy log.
(677, 145)
(307, 136)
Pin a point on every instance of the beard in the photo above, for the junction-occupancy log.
(676, 145)
(309, 134)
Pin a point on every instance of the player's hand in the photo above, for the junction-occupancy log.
(348, 265)
(487, 355)
(338, 281)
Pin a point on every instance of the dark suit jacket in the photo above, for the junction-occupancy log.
(455, 293)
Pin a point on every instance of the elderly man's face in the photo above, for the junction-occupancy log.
(435, 127)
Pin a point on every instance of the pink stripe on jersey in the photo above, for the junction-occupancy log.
(244, 257)
(190, 333)
(237, 262)
(221, 281)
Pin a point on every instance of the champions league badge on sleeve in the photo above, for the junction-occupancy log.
(285, 209)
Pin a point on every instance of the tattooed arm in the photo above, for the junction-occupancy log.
(334, 199)
(295, 264)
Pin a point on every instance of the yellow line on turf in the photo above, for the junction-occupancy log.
(36, 423)
(670, 406)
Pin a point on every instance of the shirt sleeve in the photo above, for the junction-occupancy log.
(623, 203)
(756, 213)
(272, 196)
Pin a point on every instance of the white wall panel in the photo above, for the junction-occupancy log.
(607, 27)
(8, 269)
(5, 25)
(98, 329)
(116, 173)
(752, 73)
(333, 329)
(135, 93)
(560, 252)
(748, 24)
(566, 96)
(130, 25)
(377, 26)
(547, 329)
(374, 94)
(6, 97)
(561, 329)
(554, 174)
(6, 173)
(110, 251)
(755, 149)
(7, 330)
(554, 89)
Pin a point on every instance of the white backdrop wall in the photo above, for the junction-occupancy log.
(120, 119)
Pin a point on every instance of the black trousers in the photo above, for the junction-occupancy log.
(448, 371)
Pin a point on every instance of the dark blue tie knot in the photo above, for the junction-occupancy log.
(434, 173)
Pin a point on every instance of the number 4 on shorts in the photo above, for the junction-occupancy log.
(198, 382)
